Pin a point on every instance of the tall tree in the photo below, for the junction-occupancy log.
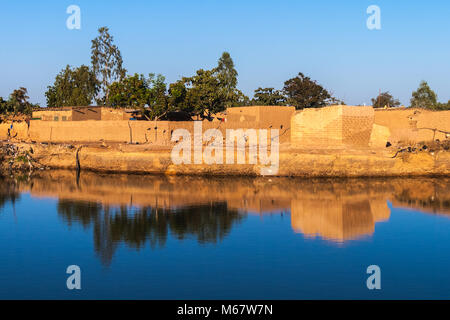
(73, 87)
(158, 101)
(107, 62)
(268, 97)
(385, 99)
(227, 76)
(424, 97)
(302, 92)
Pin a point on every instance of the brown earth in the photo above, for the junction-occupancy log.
(144, 159)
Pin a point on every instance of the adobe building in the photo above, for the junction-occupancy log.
(337, 127)
(332, 126)
(82, 114)
(278, 117)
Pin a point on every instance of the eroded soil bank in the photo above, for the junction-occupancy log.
(144, 159)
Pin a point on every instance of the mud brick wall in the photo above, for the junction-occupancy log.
(332, 126)
(357, 124)
(413, 125)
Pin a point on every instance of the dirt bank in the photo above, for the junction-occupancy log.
(123, 158)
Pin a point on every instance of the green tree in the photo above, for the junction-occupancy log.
(227, 76)
(73, 87)
(385, 99)
(443, 106)
(268, 97)
(302, 92)
(158, 103)
(106, 62)
(177, 97)
(424, 97)
(18, 102)
(204, 94)
(4, 106)
(132, 91)
(148, 94)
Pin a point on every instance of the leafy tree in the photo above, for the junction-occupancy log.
(385, 99)
(73, 87)
(177, 97)
(227, 76)
(158, 102)
(424, 97)
(208, 91)
(268, 97)
(136, 91)
(443, 106)
(4, 106)
(18, 102)
(302, 92)
(204, 94)
(240, 99)
(132, 91)
(106, 62)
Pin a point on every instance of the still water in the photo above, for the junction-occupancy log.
(152, 237)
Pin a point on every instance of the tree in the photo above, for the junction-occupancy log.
(148, 94)
(227, 76)
(158, 102)
(18, 102)
(73, 87)
(443, 106)
(132, 91)
(177, 97)
(385, 99)
(106, 62)
(424, 97)
(302, 92)
(268, 97)
(4, 106)
(204, 94)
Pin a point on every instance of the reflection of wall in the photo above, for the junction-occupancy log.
(332, 209)
(337, 219)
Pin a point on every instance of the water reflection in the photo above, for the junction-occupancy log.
(140, 210)
(138, 226)
(8, 193)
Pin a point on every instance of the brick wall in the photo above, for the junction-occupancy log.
(332, 126)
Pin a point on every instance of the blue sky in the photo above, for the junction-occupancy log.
(269, 41)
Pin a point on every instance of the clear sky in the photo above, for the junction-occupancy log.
(269, 41)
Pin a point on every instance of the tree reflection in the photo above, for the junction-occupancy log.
(208, 223)
(8, 193)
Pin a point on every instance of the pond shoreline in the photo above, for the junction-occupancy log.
(144, 159)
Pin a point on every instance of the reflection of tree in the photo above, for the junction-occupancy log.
(8, 193)
(208, 223)
(78, 211)
(435, 198)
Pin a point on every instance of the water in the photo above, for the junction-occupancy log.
(150, 237)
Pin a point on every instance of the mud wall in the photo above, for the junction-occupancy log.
(413, 125)
(332, 126)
